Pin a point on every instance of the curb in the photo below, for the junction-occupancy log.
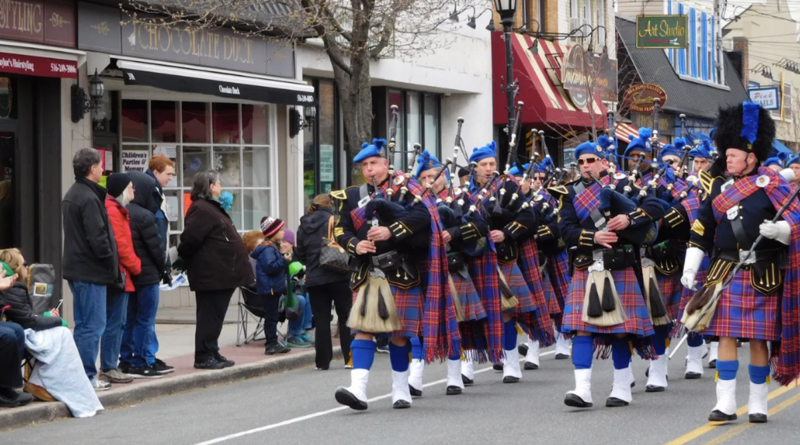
(42, 412)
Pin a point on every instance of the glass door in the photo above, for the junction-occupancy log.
(9, 235)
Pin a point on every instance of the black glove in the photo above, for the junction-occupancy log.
(166, 278)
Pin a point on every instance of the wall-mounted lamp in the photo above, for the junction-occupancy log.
(298, 123)
(81, 103)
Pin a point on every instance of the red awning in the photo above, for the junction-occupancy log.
(38, 66)
(547, 105)
(624, 130)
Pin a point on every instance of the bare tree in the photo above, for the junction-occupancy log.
(352, 33)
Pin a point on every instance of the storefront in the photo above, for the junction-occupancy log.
(38, 64)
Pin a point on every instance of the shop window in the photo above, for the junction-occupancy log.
(230, 138)
(414, 135)
(7, 96)
(431, 128)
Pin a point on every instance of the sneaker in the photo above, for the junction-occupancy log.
(348, 366)
(116, 376)
(210, 363)
(145, 372)
(124, 367)
(382, 349)
(276, 348)
(297, 342)
(307, 338)
(225, 362)
(100, 385)
(162, 368)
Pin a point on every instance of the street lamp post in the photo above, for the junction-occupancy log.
(507, 9)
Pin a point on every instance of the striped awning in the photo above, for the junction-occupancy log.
(547, 104)
(624, 130)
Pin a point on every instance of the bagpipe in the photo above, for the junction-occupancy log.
(613, 203)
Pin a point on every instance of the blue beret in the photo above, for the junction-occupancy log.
(376, 148)
(703, 151)
(539, 167)
(679, 143)
(487, 151)
(589, 147)
(426, 161)
(793, 160)
(516, 170)
(773, 161)
(605, 142)
(668, 150)
(641, 143)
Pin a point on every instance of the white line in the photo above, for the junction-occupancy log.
(324, 413)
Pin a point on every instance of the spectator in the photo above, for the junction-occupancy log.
(58, 371)
(162, 169)
(120, 194)
(90, 257)
(252, 240)
(324, 287)
(137, 358)
(12, 349)
(217, 265)
(298, 329)
(272, 262)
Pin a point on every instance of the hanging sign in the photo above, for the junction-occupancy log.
(641, 98)
(662, 31)
(574, 76)
(768, 98)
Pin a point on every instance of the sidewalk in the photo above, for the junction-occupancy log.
(177, 349)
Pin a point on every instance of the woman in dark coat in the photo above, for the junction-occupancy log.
(324, 286)
(216, 263)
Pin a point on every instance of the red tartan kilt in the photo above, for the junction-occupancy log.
(638, 322)
(672, 290)
(553, 308)
(687, 294)
(520, 288)
(409, 304)
(744, 312)
(468, 296)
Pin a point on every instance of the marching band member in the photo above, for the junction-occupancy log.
(774, 164)
(605, 305)
(397, 248)
(794, 164)
(762, 301)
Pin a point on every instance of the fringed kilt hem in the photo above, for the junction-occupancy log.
(744, 312)
(469, 298)
(553, 306)
(638, 323)
(409, 304)
(671, 290)
(520, 288)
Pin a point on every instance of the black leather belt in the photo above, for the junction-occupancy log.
(771, 255)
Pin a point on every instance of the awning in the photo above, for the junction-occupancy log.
(778, 148)
(192, 80)
(539, 75)
(624, 130)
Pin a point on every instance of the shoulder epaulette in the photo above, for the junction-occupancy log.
(557, 190)
(339, 194)
(707, 181)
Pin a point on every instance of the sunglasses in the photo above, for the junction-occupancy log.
(588, 161)
(672, 162)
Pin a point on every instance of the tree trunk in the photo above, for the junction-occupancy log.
(355, 95)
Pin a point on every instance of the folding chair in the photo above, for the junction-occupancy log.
(251, 308)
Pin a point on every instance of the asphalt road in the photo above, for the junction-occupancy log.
(298, 408)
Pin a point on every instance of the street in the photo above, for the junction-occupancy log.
(297, 407)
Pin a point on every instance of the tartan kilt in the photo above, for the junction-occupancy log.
(630, 294)
(744, 312)
(409, 304)
(553, 308)
(470, 300)
(672, 290)
(687, 294)
(520, 288)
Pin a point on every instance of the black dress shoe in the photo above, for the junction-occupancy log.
(510, 379)
(758, 418)
(576, 402)
(712, 364)
(613, 402)
(719, 416)
(497, 366)
(466, 381)
(453, 391)
(10, 398)
(522, 349)
(24, 398)
(531, 366)
(346, 398)
(654, 388)
(414, 391)
(562, 356)
(226, 363)
(692, 376)
(401, 404)
(210, 363)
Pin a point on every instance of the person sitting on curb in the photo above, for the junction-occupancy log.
(271, 266)
(12, 349)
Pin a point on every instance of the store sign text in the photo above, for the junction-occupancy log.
(768, 98)
(661, 31)
(229, 90)
(187, 41)
(50, 21)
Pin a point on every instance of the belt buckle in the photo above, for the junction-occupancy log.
(597, 265)
(743, 257)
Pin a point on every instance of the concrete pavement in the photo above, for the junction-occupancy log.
(298, 408)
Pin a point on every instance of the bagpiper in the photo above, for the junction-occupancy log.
(605, 307)
(760, 300)
(399, 279)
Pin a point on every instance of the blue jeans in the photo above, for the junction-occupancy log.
(12, 350)
(140, 327)
(116, 311)
(299, 326)
(89, 302)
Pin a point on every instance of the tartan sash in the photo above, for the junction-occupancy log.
(357, 214)
(691, 204)
(589, 199)
(539, 321)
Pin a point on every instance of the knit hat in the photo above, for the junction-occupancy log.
(116, 183)
(270, 226)
(288, 236)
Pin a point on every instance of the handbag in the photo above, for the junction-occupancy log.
(332, 256)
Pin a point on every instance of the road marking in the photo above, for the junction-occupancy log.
(330, 411)
(694, 434)
(743, 427)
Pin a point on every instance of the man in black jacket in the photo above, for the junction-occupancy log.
(137, 357)
(90, 256)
